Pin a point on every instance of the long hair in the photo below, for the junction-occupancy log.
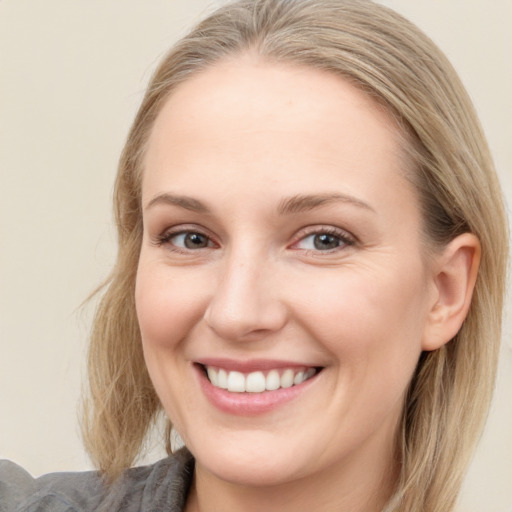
(391, 60)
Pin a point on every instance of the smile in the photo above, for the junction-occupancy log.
(258, 381)
(251, 388)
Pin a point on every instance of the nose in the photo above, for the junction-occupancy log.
(246, 303)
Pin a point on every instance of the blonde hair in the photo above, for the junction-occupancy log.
(395, 63)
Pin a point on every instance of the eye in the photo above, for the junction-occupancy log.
(326, 240)
(188, 240)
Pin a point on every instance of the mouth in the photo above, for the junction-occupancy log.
(255, 387)
(260, 381)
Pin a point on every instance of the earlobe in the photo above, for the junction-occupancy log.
(454, 278)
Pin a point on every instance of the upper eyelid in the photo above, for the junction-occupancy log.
(186, 228)
(329, 229)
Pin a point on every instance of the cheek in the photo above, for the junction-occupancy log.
(168, 305)
(372, 322)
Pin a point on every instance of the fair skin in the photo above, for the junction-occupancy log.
(280, 236)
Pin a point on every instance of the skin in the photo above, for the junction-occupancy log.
(243, 137)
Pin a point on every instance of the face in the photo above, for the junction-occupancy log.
(282, 260)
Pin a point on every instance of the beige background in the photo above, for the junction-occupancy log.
(71, 76)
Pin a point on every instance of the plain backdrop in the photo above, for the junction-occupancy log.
(72, 73)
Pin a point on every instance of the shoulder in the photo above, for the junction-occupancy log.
(162, 486)
(57, 491)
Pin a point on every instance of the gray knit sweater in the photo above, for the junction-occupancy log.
(156, 488)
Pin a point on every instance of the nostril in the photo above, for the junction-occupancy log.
(244, 304)
(246, 322)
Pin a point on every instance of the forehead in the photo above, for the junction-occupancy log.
(252, 121)
(251, 90)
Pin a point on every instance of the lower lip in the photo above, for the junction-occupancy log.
(250, 404)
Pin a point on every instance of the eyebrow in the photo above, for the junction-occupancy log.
(186, 202)
(288, 206)
(303, 203)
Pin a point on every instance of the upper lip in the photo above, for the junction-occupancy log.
(252, 365)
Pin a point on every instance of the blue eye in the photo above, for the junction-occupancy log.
(189, 240)
(323, 241)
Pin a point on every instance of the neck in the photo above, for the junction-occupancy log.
(362, 486)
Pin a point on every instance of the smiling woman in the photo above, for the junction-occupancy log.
(321, 307)
(310, 276)
(263, 103)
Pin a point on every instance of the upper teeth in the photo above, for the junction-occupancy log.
(257, 382)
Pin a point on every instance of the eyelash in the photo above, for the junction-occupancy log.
(166, 237)
(345, 239)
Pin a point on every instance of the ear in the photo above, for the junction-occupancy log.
(454, 275)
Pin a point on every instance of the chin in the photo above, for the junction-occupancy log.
(252, 463)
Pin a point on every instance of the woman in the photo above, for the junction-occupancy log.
(304, 203)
